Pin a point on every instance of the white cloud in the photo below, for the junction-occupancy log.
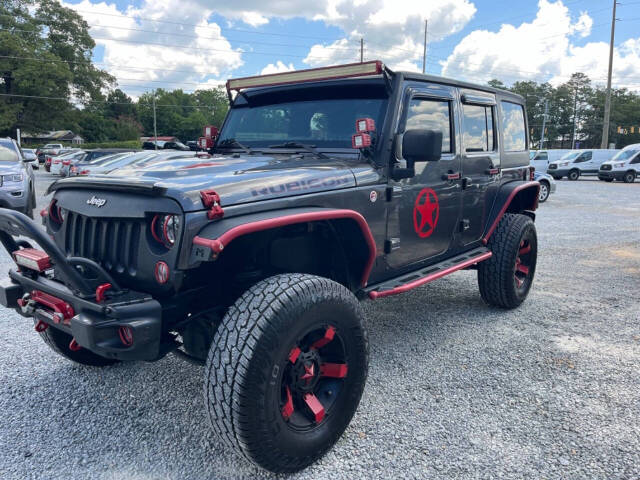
(278, 67)
(540, 50)
(160, 55)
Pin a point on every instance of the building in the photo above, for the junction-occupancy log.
(58, 136)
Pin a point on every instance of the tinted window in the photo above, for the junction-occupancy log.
(542, 156)
(431, 115)
(585, 157)
(635, 160)
(478, 128)
(513, 130)
(324, 123)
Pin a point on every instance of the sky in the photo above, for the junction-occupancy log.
(193, 44)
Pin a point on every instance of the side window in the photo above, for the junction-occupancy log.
(587, 156)
(542, 156)
(513, 132)
(478, 132)
(635, 160)
(431, 115)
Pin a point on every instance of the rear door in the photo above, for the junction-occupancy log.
(425, 208)
(480, 162)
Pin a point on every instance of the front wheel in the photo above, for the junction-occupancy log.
(629, 177)
(543, 195)
(574, 175)
(286, 370)
(505, 279)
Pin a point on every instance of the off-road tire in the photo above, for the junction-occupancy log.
(247, 360)
(545, 191)
(573, 175)
(59, 342)
(629, 177)
(496, 276)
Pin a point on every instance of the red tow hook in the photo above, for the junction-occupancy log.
(101, 290)
(73, 346)
(41, 326)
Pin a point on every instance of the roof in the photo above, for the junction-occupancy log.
(54, 135)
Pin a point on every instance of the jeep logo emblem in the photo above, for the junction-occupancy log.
(96, 202)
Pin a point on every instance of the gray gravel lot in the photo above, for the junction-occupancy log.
(456, 389)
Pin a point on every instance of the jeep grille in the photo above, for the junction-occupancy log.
(113, 243)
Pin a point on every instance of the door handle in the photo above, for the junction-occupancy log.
(451, 176)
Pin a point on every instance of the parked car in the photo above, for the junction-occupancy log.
(17, 182)
(579, 162)
(64, 159)
(624, 166)
(103, 164)
(175, 146)
(254, 264)
(30, 156)
(547, 185)
(151, 145)
(92, 156)
(540, 159)
(193, 145)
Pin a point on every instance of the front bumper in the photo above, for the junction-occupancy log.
(14, 196)
(558, 172)
(611, 174)
(95, 324)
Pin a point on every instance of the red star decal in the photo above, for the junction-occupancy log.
(426, 212)
(308, 373)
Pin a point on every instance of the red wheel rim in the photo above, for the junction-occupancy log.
(522, 271)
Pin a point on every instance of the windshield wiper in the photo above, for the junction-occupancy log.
(295, 145)
(231, 143)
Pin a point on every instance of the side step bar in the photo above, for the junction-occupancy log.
(425, 275)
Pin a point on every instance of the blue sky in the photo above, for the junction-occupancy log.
(157, 44)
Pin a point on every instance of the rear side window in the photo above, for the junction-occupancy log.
(513, 131)
(431, 115)
(478, 128)
(542, 156)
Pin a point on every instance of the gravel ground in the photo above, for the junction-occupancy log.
(456, 389)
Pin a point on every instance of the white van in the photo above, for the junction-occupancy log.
(579, 162)
(624, 166)
(541, 159)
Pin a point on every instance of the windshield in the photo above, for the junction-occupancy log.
(570, 156)
(327, 123)
(8, 154)
(625, 155)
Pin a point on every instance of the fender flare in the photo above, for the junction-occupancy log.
(505, 203)
(218, 235)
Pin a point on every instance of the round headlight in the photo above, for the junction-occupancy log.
(170, 229)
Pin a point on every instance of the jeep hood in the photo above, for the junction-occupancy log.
(237, 179)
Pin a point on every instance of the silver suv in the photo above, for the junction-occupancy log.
(16, 179)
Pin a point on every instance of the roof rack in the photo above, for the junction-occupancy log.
(375, 67)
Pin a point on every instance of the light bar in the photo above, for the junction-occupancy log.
(32, 259)
(310, 75)
(360, 140)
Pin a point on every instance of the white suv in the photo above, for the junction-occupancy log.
(624, 166)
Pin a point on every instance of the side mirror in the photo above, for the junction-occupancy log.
(421, 145)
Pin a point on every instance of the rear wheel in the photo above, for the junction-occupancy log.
(60, 342)
(505, 279)
(629, 177)
(574, 175)
(286, 370)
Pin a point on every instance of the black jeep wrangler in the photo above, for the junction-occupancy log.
(324, 187)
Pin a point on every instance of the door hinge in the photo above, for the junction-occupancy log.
(465, 224)
(391, 245)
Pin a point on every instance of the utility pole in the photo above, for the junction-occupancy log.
(424, 52)
(155, 131)
(607, 102)
(544, 123)
(575, 112)
(361, 49)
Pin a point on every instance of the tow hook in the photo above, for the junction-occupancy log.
(41, 326)
(73, 345)
(27, 306)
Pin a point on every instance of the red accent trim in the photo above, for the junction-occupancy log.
(453, 176)
(524, 250)
(315, 406)
(216, 245)
(294, 354)
(41, 258)
(328, 337)
(430, 278)
(159, 279)
(126, 335)
(101, 290)
(378, 71)
(41, 326)
(287, 410)
(506, 204)
(333, 370)
(74, 346)
(522, 269)
(153, 229)
(202, 164)
(164, 230)
(54, 303)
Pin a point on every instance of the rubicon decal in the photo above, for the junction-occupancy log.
(301, 185)
(426, 211)
(96, 202)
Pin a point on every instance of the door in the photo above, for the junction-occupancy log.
(585, 162)
(480, 163)
(541, 161)
(425, 208)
